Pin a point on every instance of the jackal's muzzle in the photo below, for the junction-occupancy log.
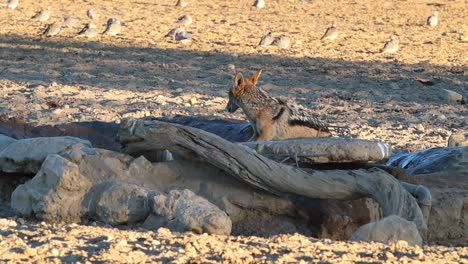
(231, 107)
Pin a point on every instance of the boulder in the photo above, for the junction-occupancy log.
(451, 96)
(5, 141)
(186, 211)
(55, 193)
(117, 203)
(389, 229)
(111, 188)
(445, 172)
(27, 155)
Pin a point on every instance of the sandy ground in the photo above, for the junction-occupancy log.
(140, 72)
(78, 244)
(396, 98)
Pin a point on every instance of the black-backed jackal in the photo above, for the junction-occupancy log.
(272, 118)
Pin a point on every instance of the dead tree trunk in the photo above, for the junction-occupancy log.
(245, 164)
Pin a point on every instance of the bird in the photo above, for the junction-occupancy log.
(93, 14)
(331, 33)
(266, 40)
(433, 20)
(114, 26)
(259, 4)
(182, 3)
(42, 15)
(12, 4)
(282, 41)
(89, 31)
(391, 46)
(184, 20)
(71, 22)
(174, 31)
(183, 37)
(52, 30)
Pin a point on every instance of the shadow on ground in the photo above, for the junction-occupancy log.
(69, 62)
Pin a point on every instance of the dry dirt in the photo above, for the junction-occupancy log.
(394, 98)
(74, 243)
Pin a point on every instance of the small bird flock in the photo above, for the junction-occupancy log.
(89, 30)
(180, 34)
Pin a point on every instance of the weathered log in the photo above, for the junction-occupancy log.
(248, 166)
(322, 150)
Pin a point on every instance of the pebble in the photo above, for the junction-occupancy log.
(394, 86)
(400, 245)
(232, 68)
(54, 252)
(57, 111)
(122, 242)
(41, 250)
(190, 249)
(419, 127)
(4, 222)
(451, 96)
(30, 252)
(389, 255)
(163, 231)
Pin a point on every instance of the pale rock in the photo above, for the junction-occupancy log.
(394, 86)
(55, 193)
(451, 96)
(5, 141)
(27, 155)
(54, 252)
(185, 211)
(7, 223)
(118, 203)
(419, 127)
(390, 229)
(163, 232)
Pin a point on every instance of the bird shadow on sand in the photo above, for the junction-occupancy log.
(95, 64)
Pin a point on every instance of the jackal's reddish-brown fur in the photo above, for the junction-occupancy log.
(272, 118)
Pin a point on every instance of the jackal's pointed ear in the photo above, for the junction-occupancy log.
(254, 78)
(238, 79)
(239, 83)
